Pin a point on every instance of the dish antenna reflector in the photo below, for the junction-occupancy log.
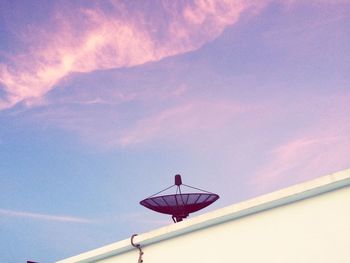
(179, 205)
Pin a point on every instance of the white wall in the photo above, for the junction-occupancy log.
(314, 230)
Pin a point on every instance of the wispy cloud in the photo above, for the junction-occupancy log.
(46, 217)
(182, 120)
(123, 37)
(321, 147)
(306, 156)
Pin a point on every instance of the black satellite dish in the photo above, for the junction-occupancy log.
(179, 205)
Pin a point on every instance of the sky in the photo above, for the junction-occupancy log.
(103, 102)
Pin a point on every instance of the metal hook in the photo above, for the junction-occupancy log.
(138, 246)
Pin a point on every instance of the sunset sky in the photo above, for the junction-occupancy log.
(103, 102)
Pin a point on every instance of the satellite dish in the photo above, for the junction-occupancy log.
(179, 205)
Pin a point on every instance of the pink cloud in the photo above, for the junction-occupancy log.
(305, 157)
(182, 120)
(101, 41)
(288, 3)
(68, 219)
(321, 148)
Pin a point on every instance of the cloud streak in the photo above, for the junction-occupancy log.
(54, 218)
(306, 152)
(123, 37)
(184, 119)
(322, 148)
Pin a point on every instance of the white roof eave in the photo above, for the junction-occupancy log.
(281, 197)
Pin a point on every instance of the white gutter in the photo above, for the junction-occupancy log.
(282, 197)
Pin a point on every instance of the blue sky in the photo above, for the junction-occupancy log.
(102, 103)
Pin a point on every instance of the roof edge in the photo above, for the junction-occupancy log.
(258, 204)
